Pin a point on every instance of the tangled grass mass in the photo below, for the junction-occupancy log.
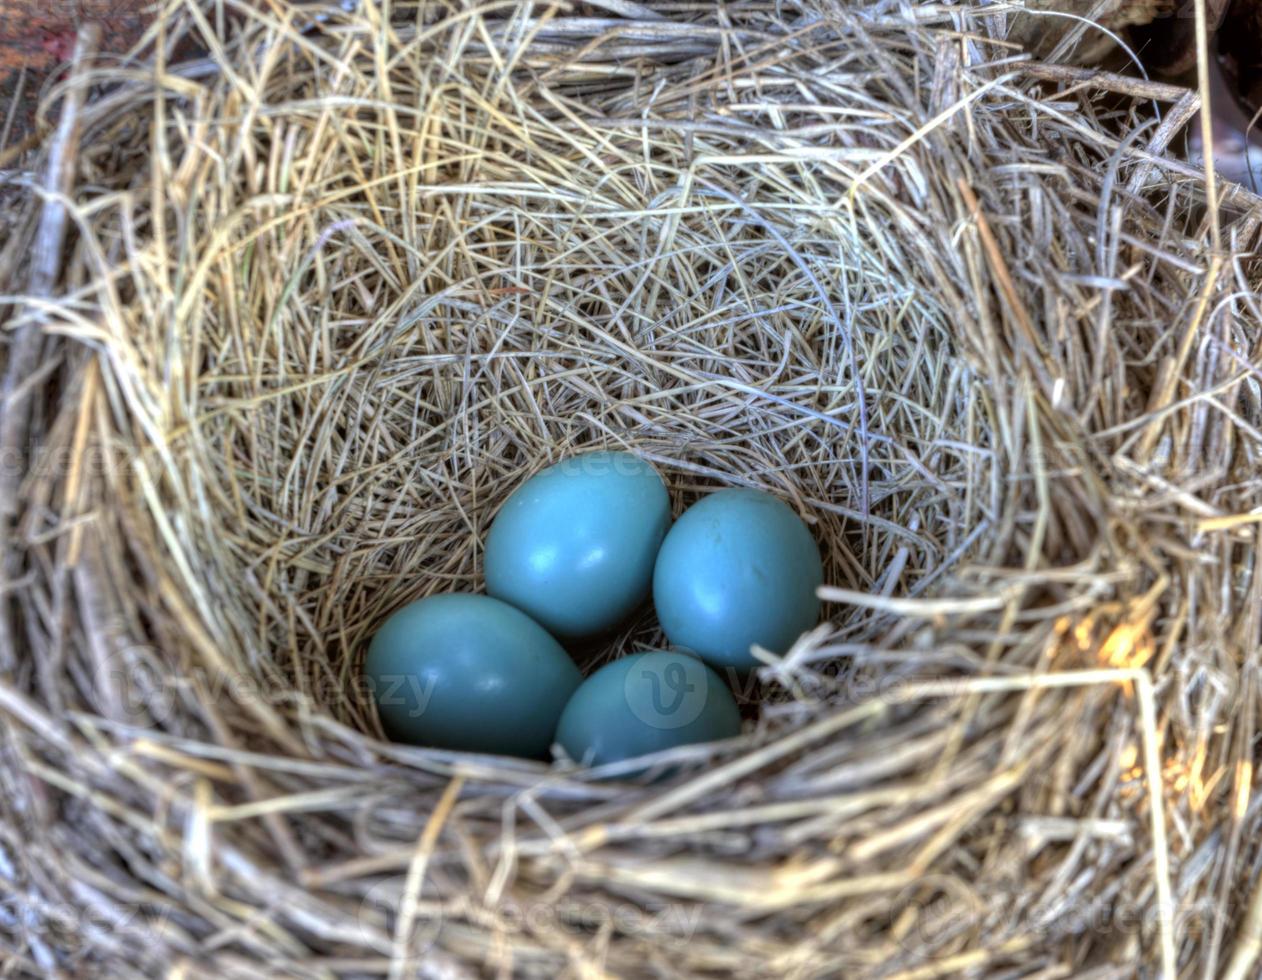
(332, 291)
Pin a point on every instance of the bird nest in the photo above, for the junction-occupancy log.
(331, 290)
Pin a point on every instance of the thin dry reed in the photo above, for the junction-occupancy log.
(333, 291)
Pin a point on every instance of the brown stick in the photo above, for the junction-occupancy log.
(27, 342)
(999, 269)
(1106, 81)
(1249, 944)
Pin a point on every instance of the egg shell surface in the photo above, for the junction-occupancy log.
(574, 546)
(469, 672)
(646, 702)
(738, 568)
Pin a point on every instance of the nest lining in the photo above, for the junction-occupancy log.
(337, 290)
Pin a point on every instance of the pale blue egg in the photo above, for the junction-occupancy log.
(469, 672)
(738, 568)
(574, 546)
(646, 702)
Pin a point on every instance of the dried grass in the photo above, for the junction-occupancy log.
(334, 291)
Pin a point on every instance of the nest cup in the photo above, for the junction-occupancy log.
(336, 289)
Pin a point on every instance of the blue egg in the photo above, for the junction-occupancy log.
(646, 702)
(469, 672)
(574, 545)
(738, 568)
